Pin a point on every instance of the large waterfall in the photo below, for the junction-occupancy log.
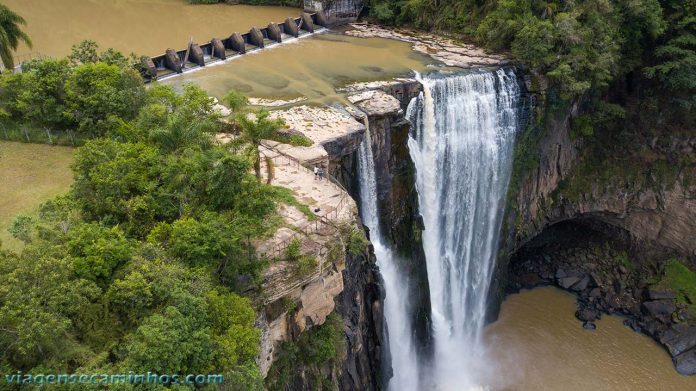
(462, 145)
(463, 131)
(396, 309)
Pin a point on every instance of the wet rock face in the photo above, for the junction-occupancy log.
(596, 267)
(360, 304)
(397, 198)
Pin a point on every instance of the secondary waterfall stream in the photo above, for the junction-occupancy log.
(403, 356)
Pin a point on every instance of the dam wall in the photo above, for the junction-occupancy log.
(198, 55)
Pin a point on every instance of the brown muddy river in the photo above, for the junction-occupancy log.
(538, 344)
(146, 27)
(310, 67)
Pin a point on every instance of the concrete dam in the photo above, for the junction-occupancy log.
(317, 16)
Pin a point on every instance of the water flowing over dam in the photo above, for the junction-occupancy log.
(462, 143)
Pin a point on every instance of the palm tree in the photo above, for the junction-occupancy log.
(254, 128)
(180, 133)
(10, 35)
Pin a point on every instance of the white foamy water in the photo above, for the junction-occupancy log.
(396, 312)
(462, 145)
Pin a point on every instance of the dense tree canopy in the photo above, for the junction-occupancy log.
(142, 265)
(581, 45)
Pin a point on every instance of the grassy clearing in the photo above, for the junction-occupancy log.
(29, 175)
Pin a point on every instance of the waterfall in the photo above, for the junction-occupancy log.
(396, 309)
(462, 143)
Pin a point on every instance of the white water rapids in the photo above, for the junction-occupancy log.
(396, 310)
(462, 145)
(462, 139)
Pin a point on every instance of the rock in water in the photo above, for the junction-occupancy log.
(679, 339)
(686, 363)
(589, 326)
(587, 314)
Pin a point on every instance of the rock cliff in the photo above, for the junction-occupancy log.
(644, 205)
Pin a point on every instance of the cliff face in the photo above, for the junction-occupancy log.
(643, 206)
(347, 287)
(396, 194)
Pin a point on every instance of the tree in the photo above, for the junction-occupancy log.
(235, 101)
(42, 98)
(254, 128)
(10, 35)
(205, 242)
(232, 324)
(116, 183)
(21, 228)
(86, 53)
(175, 341)
(95, 92)
(40, 299)
(676, 57)
(97, 251)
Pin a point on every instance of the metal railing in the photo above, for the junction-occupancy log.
(322, 220)
(22, 58)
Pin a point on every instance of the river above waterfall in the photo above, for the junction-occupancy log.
(311, 67)
(538, 344)
(145, 27)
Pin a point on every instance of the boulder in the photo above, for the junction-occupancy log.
(658, 307)
(653, 294)
(685, 363)
(679, 339)
(589, 326)
(567, 282)
(633, 324)
(582, 284)
(587, 314)
(596, 293)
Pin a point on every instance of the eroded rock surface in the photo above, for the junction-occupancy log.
(446, 50)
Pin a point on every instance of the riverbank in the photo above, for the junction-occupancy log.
(538, 344)
(610, 277)
(30, 174)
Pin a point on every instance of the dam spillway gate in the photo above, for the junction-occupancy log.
(196, 55)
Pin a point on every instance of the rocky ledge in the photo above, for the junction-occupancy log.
(449, 51)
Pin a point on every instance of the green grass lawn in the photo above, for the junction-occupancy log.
(29, 175)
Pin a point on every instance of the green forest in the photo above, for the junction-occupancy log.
(140, 266)
(148, 262)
